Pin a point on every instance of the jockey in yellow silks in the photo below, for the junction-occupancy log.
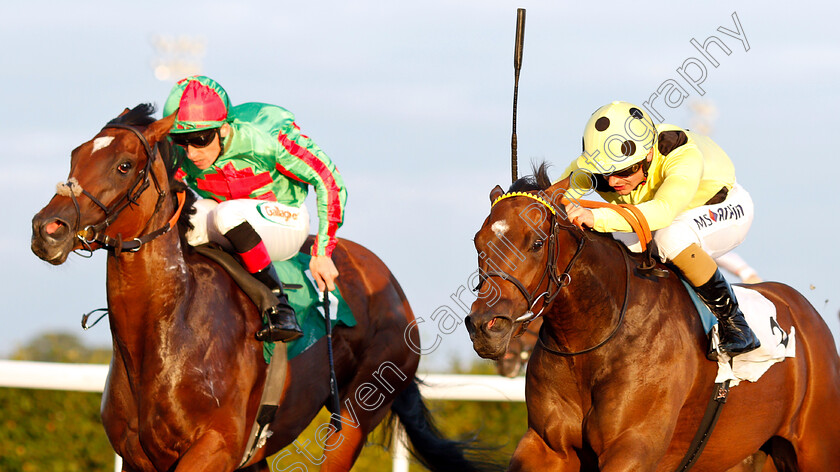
(685, 186)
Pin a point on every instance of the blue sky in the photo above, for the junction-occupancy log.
(413, 103)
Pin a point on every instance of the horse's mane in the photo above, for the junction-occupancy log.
(539, 180)
(141, 117)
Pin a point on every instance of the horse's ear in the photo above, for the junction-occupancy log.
(160, 128)
(558, 190)
(123, 112)
(496, 193)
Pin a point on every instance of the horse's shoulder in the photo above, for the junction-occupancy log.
(348, 251)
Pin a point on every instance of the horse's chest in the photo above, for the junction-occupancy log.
(552, 395)
(161, 418)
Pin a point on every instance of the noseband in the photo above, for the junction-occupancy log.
(96, 233)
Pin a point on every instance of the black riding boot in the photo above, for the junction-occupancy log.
(736, 337)
(282, 325)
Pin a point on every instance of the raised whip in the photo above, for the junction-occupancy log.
(517, 65)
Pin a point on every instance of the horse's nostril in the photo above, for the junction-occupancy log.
(498, 324)
(55, 229)
(52, 227)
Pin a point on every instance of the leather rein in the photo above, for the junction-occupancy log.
(554, 282)
(96, 233)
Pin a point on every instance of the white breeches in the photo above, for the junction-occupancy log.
(282, 228)
(717, 229)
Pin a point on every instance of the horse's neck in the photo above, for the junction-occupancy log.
(586, 310)
(145, 291)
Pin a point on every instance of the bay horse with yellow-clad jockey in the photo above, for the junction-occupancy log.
(521, 345)
(186, 374)
(619, 380)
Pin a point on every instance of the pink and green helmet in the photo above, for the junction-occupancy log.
(201, 103)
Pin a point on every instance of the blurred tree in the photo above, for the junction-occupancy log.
(495, 425)
(48, 430)
(498, 425)
(43, 430)
(61, 347)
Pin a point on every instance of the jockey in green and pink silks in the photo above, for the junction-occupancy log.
(254, 168)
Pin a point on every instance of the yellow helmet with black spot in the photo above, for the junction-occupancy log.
(617, 136)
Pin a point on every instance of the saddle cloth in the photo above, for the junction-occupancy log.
(760, 314)
(307, 301)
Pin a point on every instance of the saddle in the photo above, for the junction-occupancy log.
(760, 314)
(301, 290)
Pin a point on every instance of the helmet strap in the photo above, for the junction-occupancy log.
(647, 163)
(222, 143)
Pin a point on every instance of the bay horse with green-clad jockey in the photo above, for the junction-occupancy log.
(186, 374)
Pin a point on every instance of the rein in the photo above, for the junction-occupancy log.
(614, 331)
(558, 281)
(96, 233)
(637, 221)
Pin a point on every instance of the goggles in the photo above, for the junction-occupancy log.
(197, 139)
(627, 171)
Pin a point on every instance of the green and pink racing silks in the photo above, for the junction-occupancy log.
(265, 157)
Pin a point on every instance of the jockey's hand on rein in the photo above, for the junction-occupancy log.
(580, 216)
(324, 272)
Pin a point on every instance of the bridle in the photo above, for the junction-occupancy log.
(96, 233)
(554, 283)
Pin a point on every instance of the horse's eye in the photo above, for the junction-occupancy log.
(538, 244)
(124, 168)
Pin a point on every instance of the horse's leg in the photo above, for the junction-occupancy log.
(134, 454)
(816, 450)
(208, 453)
(533, 454)
(342, 457)
(815, 433)
(341, 449)
(377, 382)
(120, 427)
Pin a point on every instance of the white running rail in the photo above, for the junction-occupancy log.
(91, 378)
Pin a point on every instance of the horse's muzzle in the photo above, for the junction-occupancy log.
(490, 338)
(52, 238)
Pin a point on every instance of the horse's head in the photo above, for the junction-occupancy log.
(519, 246)
(108, 191)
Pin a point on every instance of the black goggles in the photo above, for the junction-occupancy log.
(627, 171)
(197, 139)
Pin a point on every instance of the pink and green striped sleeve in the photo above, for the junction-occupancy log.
(301, 159)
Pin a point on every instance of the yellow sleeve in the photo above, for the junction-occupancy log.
(680, 175)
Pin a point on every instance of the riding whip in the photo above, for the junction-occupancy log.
(517, 65)
(335, 401)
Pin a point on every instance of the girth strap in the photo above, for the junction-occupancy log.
(275, 378)
(707, 425)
